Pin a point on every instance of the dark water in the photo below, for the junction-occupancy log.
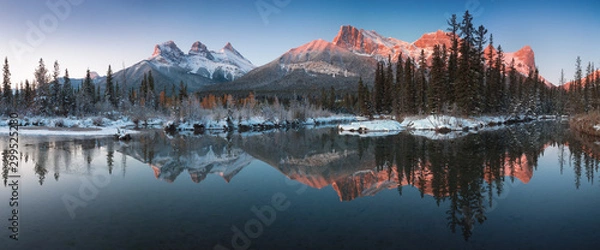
(532, 186)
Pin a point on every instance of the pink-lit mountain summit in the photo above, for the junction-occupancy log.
(353, 53)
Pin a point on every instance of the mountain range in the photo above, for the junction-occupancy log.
(198, 68)
(352, 53)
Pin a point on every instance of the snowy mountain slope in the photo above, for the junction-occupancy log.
(198, 68)
(305, 69)
(352, 53)
(226, 64)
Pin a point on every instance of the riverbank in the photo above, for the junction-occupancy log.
(436, 126)
(588, 124)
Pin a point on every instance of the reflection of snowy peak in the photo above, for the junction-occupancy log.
(200, 164)
(224, 65)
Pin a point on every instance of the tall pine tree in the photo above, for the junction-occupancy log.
(7, 95)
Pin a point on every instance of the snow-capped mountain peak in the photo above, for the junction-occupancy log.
(168, 52)
(225, 65)
(199, 48)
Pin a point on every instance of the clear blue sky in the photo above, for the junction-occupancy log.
(94, 33)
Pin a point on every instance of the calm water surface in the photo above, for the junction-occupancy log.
(531, 186)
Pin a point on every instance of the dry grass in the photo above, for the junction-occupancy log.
(586, 123)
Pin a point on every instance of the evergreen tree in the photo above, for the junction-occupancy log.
(421, 84)
(68, 100)
(379, 89)
(587, 88)
(514, 82)
(28, 94)
(478, 67)
(109, 92)
(436, 84)
(7, 95)
(182, 91)
(499, 92)
(89, 96)
(18, 97)
(577, 91)
(362, 98)
(465, 86)
(42, 99)
(399, 87)
(99, 95)
(491, 87)
(453, 28)
(151, 94)
(388, 88)
(55, 91)
(132, 96)
(409, 92)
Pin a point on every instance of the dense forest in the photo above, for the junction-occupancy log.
(468, 78)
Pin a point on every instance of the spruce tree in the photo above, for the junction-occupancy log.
(436, 83)
(182, 91)
(362, 98)
(42, 99)
(7, 95)
(409, 89)
(109, 92)
(499, 82)
(465, 83)
(89, 95)
(587, 88)
(68, 100)
(388, 88)
(379, 88)
(398, 92)
(478, 67)
(28, 94)
(55, 92)
(453, 28)
(421, 84)
(577, 92)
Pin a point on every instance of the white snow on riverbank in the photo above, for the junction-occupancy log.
(59, 126)
(432, 126)
(99, 126)
(372, 126)
(436, 127)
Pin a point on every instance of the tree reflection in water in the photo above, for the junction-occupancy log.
(463, 174)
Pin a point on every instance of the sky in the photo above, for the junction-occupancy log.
(82, 34)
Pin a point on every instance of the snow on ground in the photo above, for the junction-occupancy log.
(437, 127)
(443, 122)
(255, 122)
(53, 131)
(99, 126)
(71, 126)
(372, 126)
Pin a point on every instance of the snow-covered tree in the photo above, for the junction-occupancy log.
(7, 95)
(42, 99)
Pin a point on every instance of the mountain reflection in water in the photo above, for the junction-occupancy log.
(466, 173)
